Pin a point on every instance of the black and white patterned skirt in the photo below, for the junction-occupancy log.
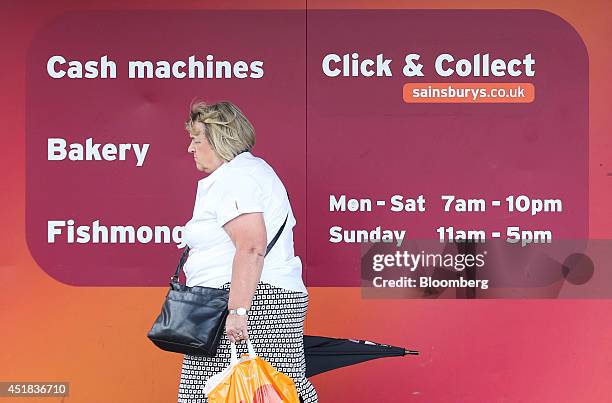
(276, 330)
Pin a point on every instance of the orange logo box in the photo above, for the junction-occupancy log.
(468, 93)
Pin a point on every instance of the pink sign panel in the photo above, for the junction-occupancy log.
(109, 179)
(365, 141)
(399, 110)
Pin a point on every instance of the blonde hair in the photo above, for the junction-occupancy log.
(227, 130)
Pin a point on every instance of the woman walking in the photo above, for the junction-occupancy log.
(239, 208)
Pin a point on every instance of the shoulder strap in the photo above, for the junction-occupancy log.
(185, 253)
(278, 233)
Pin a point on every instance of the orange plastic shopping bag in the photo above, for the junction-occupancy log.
(250, 380)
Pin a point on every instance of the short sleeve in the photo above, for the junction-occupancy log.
(239, 194)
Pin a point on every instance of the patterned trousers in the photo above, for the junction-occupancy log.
(276, 329)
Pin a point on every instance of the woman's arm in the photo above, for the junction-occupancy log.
(248, 233)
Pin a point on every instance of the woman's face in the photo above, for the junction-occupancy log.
(206, 159)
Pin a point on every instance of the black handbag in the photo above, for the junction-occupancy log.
(192, 319)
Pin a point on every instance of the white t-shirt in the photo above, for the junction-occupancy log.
(246, 184)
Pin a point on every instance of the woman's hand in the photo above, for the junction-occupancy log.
(236, 328)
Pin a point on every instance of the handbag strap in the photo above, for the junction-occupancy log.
(186, 251)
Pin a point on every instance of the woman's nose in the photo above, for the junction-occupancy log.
(190, 149)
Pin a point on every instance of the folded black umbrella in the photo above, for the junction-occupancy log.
(327, 353)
